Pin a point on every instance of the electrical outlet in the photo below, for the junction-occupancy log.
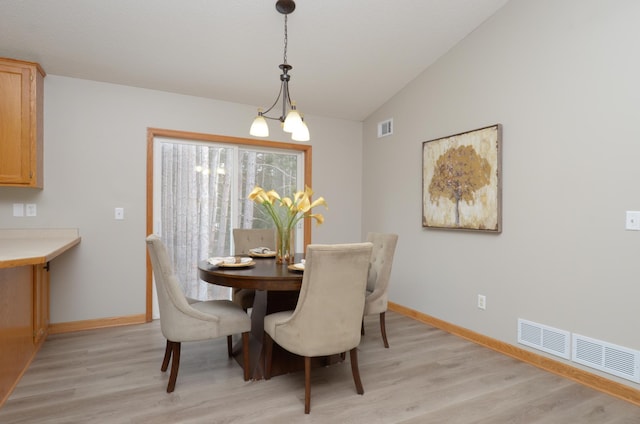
(482, 302)
(633, 220)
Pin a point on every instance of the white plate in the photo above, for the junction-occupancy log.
(296, 267)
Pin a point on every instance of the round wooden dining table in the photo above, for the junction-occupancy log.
(277, 288)
(264, 274)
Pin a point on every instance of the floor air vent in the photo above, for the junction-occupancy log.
(607, 357)
(542, 337)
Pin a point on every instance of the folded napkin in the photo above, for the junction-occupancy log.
(261, 250)
(228, 260)
(215, 261)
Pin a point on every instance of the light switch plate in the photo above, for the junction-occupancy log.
(119, 213)
(18, 209)
(632, 221)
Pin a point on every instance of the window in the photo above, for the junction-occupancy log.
(199, 194)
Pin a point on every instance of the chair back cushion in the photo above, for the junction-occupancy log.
(248, 238)
(329, 311)
(384, 247)
(178, 319)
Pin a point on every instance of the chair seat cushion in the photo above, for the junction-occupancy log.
(233, 320)
(271, 320)
(288, 337)
(375, 304)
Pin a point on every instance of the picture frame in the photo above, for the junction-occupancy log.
(461, 181)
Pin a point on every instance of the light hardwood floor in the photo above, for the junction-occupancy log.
(427, 376)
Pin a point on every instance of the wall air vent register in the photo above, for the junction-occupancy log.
(385, 128)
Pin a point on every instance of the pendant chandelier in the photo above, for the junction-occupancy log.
(290, 119)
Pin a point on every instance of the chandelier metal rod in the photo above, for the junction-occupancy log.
(284, 78)
(292, 121)
(283, 93)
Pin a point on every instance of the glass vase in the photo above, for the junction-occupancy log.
(284, 245)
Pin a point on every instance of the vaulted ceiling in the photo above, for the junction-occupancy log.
(348, 56)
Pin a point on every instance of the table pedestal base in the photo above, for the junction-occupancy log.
(283, 361)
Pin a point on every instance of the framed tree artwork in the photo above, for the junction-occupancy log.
(461, 181)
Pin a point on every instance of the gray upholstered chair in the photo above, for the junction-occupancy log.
(245, 239)
(384, 246)
(327, 317)
(182, 321)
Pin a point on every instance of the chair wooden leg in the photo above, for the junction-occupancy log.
(355, 371)
(229, 346)
(383, 330)
(307, 384)
(175, 363)
(268, 353)
(245, 355)
(167, 357)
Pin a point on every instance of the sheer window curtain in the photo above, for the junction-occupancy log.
(200, 195)
(195, 214)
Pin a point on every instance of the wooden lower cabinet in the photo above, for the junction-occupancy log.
(24, 320)
(40, 303)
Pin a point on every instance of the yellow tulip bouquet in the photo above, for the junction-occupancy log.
(286, 212)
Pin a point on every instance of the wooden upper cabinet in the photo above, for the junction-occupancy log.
(21, 123)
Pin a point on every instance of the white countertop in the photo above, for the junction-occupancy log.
(19, 247)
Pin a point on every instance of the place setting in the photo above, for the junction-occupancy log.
(231, 262)
(262, 252)
(299, 266)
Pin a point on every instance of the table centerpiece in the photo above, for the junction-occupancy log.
(285, 213)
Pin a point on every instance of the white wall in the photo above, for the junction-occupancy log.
(95, 160)
(562, 79)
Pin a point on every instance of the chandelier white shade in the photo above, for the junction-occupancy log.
(301, 133)
(290, 119)
(293, 120)
(259, 127)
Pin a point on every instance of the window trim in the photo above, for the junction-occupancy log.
(152, 133)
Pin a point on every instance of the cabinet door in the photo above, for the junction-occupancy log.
(40, 303)
(21, 103)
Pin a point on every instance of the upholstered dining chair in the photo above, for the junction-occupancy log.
(384, 247)
(245, 239)
(327, 317)
(182, 321)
